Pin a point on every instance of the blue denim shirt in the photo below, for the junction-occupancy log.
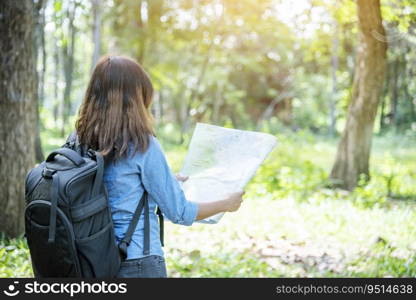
(123, 179)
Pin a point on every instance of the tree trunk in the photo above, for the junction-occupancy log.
(186, 118)
(56, 83)
(39, 43)
(402, 96)
(161, 102)
(18, 107)
(194, 93)
(142, 34)
(407, 78)
(268, 112)
(96, 9)
(394, 93)
(334, 69)
(352, 159)
(68, 59)
(384, 97)
(218, 101)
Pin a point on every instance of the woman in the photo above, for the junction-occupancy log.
(114, 119)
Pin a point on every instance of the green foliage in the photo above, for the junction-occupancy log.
(14, 258)
(225, 62)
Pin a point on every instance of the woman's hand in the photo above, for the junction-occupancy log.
(182, 178)
(208, 209)
(233, 202)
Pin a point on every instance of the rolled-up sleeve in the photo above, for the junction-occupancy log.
(164, 188)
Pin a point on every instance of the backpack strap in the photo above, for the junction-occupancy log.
(73, 143)
(98, 180)
(125, 242)
(161, 227)
(54, 203)
(146, 244)
(72, 138)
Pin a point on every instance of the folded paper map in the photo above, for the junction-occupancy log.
(221, 161)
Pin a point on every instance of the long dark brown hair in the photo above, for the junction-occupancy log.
(115, 110)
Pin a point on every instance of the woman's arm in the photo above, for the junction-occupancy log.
(162, 186)
(232, 203)
(206, 210)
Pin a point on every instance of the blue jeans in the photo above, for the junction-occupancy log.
(152, 266)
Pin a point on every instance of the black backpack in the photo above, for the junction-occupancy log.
(68, 223)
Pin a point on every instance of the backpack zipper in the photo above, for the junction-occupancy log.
(80, 176)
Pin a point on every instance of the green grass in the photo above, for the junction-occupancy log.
(291, 224)
(14, 258)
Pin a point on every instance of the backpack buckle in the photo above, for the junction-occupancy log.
(48, 173)
(122, 248)
(91, 153)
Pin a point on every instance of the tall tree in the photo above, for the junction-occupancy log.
(334, 69)
(352, 159)
(68, 57)
(17, 108)
(39, 43)
(130, 26)
(96, 31)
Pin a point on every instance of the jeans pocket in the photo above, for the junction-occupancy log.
(130, 269)
(153, 266)
(161, 265)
